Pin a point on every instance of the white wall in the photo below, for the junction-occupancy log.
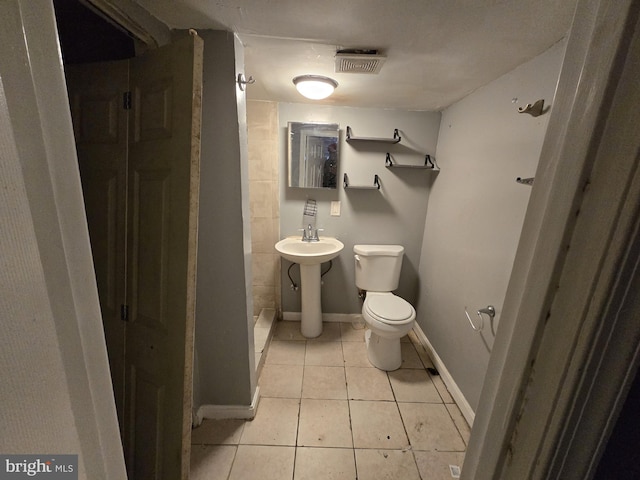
(393, 215)
(476, 211)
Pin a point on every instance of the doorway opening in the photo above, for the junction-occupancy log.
(86, 37)
(136, 122)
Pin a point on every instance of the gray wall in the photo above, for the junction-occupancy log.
(476, 211)
(223, 337)
(393, 215)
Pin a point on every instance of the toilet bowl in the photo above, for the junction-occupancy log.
(388, 318)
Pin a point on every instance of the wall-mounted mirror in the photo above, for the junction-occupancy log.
(313, 154)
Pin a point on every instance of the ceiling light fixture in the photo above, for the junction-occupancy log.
(315, 87)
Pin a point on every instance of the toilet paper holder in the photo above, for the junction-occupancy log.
(488, 310)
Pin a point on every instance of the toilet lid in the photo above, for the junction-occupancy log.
(390, 307)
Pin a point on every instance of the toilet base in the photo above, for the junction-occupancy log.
(383, 353)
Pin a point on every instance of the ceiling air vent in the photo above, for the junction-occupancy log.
(359, 61)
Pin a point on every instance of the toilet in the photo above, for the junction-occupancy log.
(388, 317)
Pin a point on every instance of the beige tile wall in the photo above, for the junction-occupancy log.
(262, 125)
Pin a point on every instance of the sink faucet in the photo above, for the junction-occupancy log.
(310, 234)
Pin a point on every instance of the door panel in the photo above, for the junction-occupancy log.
(150, 227)
(154, 113)
(99, 115)
(100, 125)
(163, 198)
(148, 397)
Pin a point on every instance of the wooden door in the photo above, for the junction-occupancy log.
(163, 184)
(101, 129)
(139, 161)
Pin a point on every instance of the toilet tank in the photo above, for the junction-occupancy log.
(378, 267)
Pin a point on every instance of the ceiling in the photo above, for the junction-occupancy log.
(438, 51)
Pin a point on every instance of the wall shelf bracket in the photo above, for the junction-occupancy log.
(375, 186)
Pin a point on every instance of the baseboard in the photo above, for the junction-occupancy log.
(451, 385)
(326, 317)
(219, 412)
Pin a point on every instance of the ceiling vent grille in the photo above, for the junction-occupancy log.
(368, 62)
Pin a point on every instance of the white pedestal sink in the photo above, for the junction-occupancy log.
(309, 255)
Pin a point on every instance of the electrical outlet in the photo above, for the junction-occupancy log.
(335, 208)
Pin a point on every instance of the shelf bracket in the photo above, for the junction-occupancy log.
(428, 162)
(375, 186)
(349, 133)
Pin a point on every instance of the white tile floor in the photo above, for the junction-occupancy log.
(326, 413)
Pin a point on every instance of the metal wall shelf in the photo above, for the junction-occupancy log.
(428, 164)
(351, 138)
(375, 186)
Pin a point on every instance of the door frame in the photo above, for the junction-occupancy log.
(132, 18)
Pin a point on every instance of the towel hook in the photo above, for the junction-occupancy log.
(534, 110)
(243, 81)
(489, 310)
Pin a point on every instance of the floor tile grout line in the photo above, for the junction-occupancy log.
(434, 384)
(353, 441)
(324, 446)
(295, 451)
(235, 454)
(404, 426)
(455, 424)
(406, 432)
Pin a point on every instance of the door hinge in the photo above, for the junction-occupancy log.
(126, 100)
(124, 313)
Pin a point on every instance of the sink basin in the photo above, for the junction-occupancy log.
(309, 253)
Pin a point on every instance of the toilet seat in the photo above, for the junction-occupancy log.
(389, 309)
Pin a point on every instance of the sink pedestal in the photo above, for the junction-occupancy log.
(311, 322)
(310, 255)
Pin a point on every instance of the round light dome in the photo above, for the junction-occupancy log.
(315, 87)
